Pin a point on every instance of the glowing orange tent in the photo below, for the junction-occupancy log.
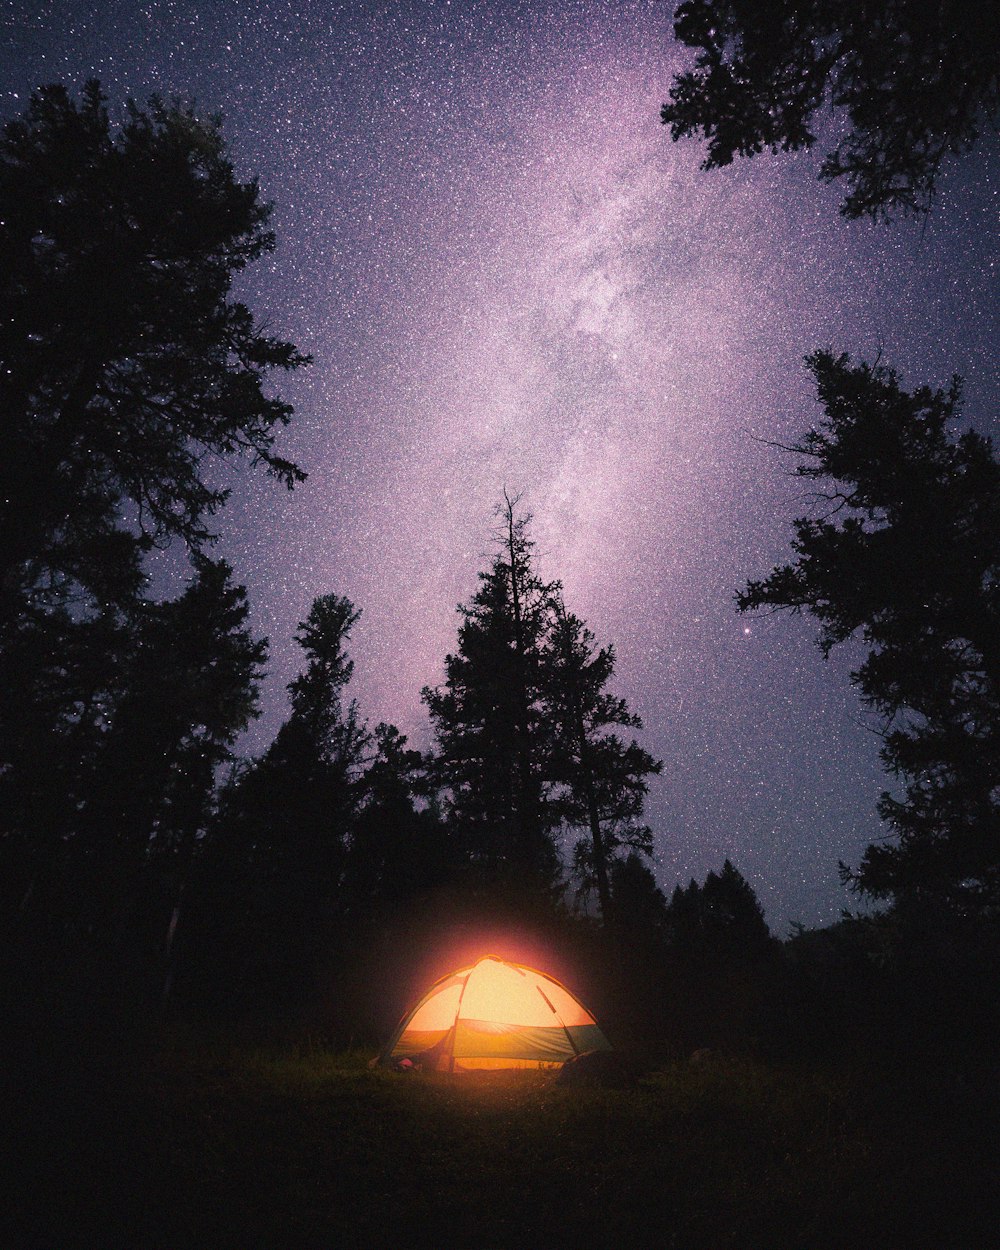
(494, 1014)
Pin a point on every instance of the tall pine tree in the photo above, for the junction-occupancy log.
(601, 779)
(494, 738)
(524, 725)
(113, 789)
(274, 862)
(906, 559)
(126, 366)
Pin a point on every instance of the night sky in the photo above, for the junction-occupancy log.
(510, 277)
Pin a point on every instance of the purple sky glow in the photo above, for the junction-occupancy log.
(510, 277)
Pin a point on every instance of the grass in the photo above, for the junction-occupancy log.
(217, 1147)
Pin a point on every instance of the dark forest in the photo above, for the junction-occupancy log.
(206, 944)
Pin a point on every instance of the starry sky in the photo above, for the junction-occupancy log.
(509, 277)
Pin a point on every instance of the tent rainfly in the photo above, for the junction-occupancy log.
(494, 1014)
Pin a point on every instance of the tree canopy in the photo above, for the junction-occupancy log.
(126, 367)
(493, 741)
(525, 726)
(601, 778)
(124, 362)
(905, 556)
(919, 80)
(722, 916)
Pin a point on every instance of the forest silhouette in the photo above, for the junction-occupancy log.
(152, 879)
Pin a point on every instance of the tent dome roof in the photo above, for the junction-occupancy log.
(495, 1014)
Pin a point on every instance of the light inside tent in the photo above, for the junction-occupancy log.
(498, 993)
(495, 1014)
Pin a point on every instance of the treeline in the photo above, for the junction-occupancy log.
(138, 853)
(134, 833)
(144, 866)
(321, 844)
(901, 549)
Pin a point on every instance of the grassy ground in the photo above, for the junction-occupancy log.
(221, 1148)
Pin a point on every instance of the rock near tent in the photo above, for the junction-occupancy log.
(494, 1014)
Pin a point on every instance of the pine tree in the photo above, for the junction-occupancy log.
(397, 849)
(129, 760)
(275, 858)
(104, 822)
(907, 558)
(524, 725)
(297, 801)
(601, 778)
(639, 904)
(61, 679)
(192, 689)
(124, 363)
(917, 79)
(189, 689)
(125, 367)
(723, 916)
(492, 759)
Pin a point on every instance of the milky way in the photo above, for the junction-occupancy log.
(509, 277)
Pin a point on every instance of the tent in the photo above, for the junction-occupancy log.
(494, 1014)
